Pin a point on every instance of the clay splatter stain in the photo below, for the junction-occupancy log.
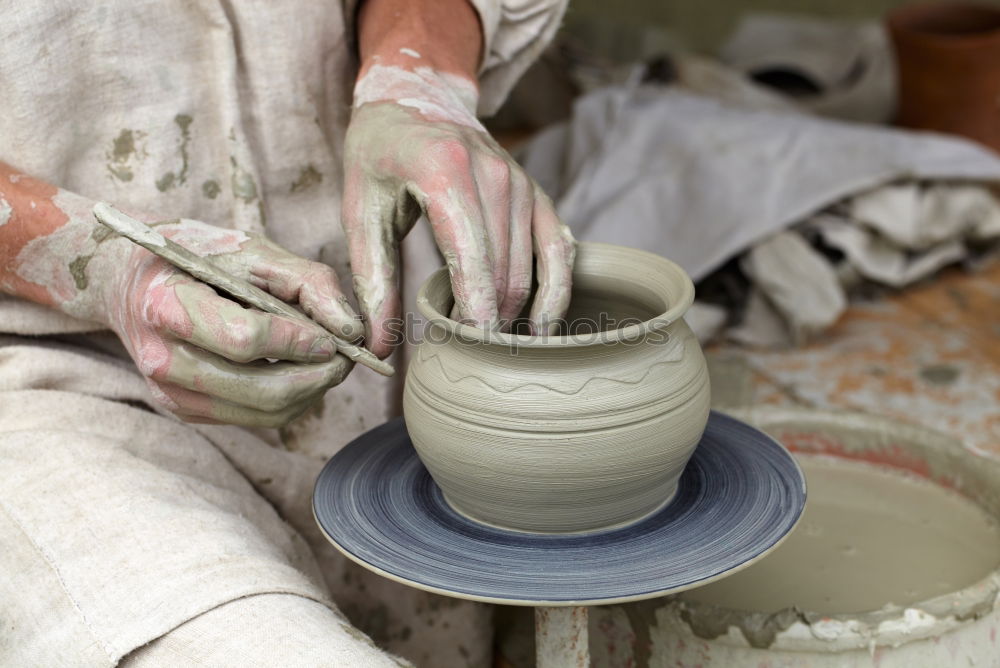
(183, 122)
(165, 182)
(262, 213)
(78, 269)
(242, 182)
(243, 185)
(124, 146)
(123, 149)
(101, 234)
(172, 179)
(940, 374)
(308, 177)
(295, 434)
(211, 189)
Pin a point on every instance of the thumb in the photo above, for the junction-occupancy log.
(367, 217)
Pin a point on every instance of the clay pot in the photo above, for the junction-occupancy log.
(569, 433)
(948, 61)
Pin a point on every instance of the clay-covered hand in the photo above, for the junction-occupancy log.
(414, 144)
(204, 356)
(208, 359)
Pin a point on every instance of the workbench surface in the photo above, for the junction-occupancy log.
(929, 355)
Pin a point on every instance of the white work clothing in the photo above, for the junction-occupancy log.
(120, 525)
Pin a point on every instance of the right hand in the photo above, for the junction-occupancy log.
(414, 144)
(204, 356)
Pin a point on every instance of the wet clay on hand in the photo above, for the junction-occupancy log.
(414, 145)
(205, 357)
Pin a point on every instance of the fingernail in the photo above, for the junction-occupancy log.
(352, 327)
(352, 330)
(322, 350)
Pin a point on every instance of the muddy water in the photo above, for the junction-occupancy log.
(870, 536)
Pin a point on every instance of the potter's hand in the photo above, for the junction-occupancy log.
(415, 144)
(205, 356)
(202, 355)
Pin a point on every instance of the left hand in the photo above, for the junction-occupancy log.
(414, 144)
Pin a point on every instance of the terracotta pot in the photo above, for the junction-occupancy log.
(566, 433)
(948, 61)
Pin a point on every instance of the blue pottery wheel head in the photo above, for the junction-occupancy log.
(739, 496)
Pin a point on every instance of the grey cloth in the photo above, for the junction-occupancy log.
(798, 282)
(713, 166)
(700, 180)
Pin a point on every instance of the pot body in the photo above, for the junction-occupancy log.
(565, 438)
(948, 63)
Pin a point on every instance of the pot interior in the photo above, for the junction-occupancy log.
(599, 305)
(614, 288)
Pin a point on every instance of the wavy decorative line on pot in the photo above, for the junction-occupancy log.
(566, 435)
(676, 352)
(596, 405)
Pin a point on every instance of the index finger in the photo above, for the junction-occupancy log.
(555, 252)
(367, 215)
(239, 334)
(456, 219)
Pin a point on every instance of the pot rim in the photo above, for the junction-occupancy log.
(631, 333)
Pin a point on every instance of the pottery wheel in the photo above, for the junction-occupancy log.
(739, 496)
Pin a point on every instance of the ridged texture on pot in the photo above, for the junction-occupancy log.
(564, 438)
